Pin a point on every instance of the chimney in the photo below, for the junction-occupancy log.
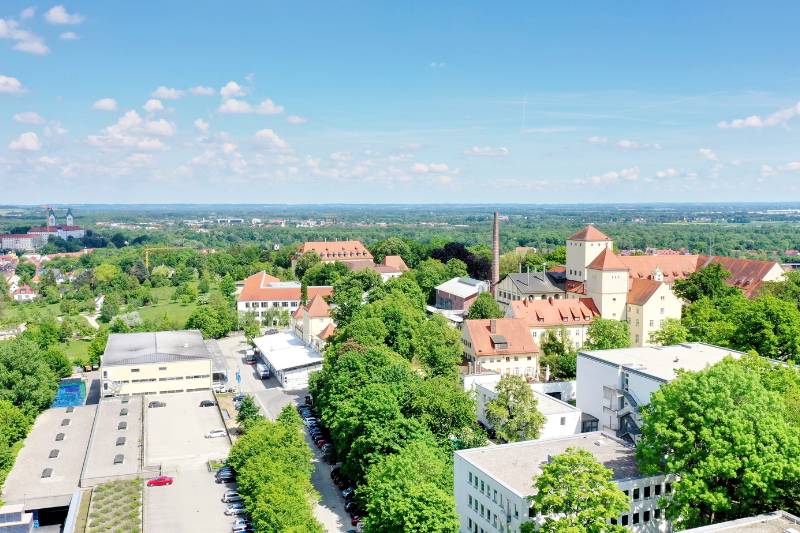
(493, 326)
(495, 253)
(550, 300)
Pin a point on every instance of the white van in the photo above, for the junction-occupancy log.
(262, 371)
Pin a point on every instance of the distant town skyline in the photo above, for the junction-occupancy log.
(364, 102)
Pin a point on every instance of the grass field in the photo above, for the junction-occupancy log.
(163, 293)
(19, 313)
(176, 312)
(76, 349)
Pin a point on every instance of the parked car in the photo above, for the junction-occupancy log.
(239, 397)
(234, 509)
(342, 482)
(250, 359)
(160, 481)
(231, 496)
(157, 404)
(310, 421)
(208, 403)
(320, 442)
(327, 448)
(348, 492)
(262, 370)
(355, 520)
(352, 507)
(241, 528)
(220, 388)
(308, 400)
(227, 477)
(242, 521)
(216, 433)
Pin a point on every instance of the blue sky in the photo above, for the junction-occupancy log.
(315, 102)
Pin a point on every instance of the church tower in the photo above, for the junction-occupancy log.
(51, 218)
(582, 248)
(70, 218)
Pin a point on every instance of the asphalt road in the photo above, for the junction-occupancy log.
(271, 397)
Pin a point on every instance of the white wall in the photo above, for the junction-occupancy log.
(566, 388)
(592, 375)
(580, 254)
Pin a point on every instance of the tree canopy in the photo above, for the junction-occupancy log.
(514, 412)
(606, 334)
(484, 306)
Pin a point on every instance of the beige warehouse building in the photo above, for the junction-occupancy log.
(155, 363)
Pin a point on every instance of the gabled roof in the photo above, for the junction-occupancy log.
(396, 262)
(589, 233)
(641, 290)
(511, 336)
(327, 332)
(337, 250)
(672, 266)
(607, 260)
(463, 287)
(747, 274)
(318, 308)
(545, 313)
(537, 282)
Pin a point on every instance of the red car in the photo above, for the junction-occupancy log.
(160, 481)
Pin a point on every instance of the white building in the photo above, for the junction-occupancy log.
(777, 522)
(571, 317)
(24, 294)
(14, 519)
(493, 483)
(25, 242)
(612, 385)
(311, 321)
(289, 359)
(261, 292)
(561, 418)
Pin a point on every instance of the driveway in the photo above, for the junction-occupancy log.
(271, 397)
(175, 440)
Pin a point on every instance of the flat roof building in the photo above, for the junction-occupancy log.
(493, 483)
(777, 522)
(288, 358)
(155, 363)
(117, 431)
(612, 385)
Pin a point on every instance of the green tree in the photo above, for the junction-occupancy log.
(707, 320)
(395, 246)
(98, 346)
(607, 334)
(709, 282)
(671, 332)
(214, 320)
(438, 347)
(25, 270)
(410, 491)
(727, 439)
(429, 274)
(324, 274)
(248, 412)
(109, 309)
(349, 292)
(559, 355)
(484, 307)
(227, 286)
(26, 380)
(514, 412)
(769, 326)
(105, 273)
(250, 326)
(575, 493)
(456, 268)
(304, 262)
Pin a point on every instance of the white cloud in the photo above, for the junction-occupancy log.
(59, 15)
(341, 156)
(202, 91)
(268, 107)
(778, 118)
(598, 140)
(167, 93)
(160, 127)
(231, 89)
(29, 117)
(423, 168)
(131, 131)
(47, 160)
(69, 36)
(233, 105)
(9, 85)
(487, 151)
(27, 142)
(27, 13)
(708, 153)
(625, 144)
(26, 41)
(614, 176)
(767, 171)
(295, 119)
(153, 105)
(271, 138)
(437, 65)
(228, 148)
(201, 125)
(105, 104)
(54, 129)
(667, 173)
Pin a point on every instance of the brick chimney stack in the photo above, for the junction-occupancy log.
(495, 253)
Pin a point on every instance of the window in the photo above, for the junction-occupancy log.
(118, 459)
(636, 494)
(122, 425)
(123, 411)
(656, 514)
(60, 437)
(162, 368)
(47, 472)
(470, 478)
(482, 487)
(494, 497)
(613, 521)
(646, 516)
(651, 323)
(469, 500)
(134, 369)
(125, 400)
(658, 489)
(662, 310)
(563, 420)
(667, 488)
(70, 409)
(65, 422)
(647, 491)
(635, 518)
(53, 454)
(624, 520)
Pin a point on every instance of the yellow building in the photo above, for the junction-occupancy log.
(155, 363)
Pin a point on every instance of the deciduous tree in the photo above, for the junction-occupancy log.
(484, 307)
(514, 412)
(671, 332)
(606, 334)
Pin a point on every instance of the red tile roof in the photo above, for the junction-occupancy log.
(544, 313)
(258, 288)
(589, 233)
(326, 333)
(672, 266)
(337, 250)
(18, 236)
(25, 289)
(575, 287)
(396, 262)
(513, 331)
(607, 260)
(641, 290)
(318, 307)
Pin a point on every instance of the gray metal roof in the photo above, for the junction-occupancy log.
(154, 347)
(538, 282)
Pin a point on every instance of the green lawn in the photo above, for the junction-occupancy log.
(18, 313)
(163, 293)
(176, 312)
(76, 349)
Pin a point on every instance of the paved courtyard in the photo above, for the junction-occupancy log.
(271, 397)
(175, 439)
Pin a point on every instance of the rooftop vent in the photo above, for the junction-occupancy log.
(53, 454)
(70, 409)
(65, 422)
(599, 442)
(123, 412)
(47, 472)
(60, 436)
(120, 441)
(118, 459)
(122, 425)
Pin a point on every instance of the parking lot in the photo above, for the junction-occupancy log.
(271, 397)
(175, 439)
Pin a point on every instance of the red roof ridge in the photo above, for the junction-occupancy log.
(589, 233)
(607, 260)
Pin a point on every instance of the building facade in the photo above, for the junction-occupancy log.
(262, 292)
(570, 318)
(155, 363)
(503, 345)
(493, 483)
